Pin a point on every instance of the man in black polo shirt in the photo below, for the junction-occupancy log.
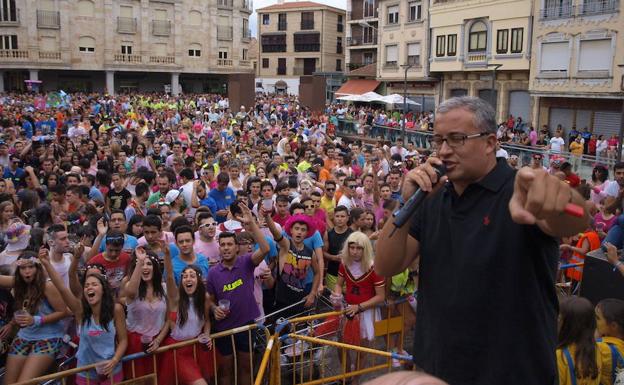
(485, 239)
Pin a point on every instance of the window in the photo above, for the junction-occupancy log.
(413, 54)
(595, 55)
(516, 40)
(392, 55)
(281, 66)
(451, 45)
(414, 10)
(266, 19)
(86, 44)
(126, 48)
(338, 44)
(393, 14)
(245, 54)
(8, 10)
(223, 53)
(339, 26)
(195, 18)
(307, 42)
(338, 65)
(265, 62)
(440, 40)
(478, 37)
(246, 30)
(502, 41)
(281, 22)
(194, 50)
(307, 20)
(555, 56)
(125, 11)
(273, 43)
(367, 58)
(85, 8)
(8, 42)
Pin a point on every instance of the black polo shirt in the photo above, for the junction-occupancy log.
(487, 307)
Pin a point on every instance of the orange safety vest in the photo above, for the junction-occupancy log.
(576, 273)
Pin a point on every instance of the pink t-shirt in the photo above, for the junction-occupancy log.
(258, 285)
(209, 250)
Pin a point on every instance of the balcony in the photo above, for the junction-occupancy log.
(282, 26)
(161, 27)
(247, 6)
(224, 32)
(225, 4)
(10, 19)
(126, 24)
(365, 13)
(48, 19)
(14, 54)
(224, 63)
(307, 47)
(273, 47)
(476, 58)
(246, 33)
(307, 24)
(356, 42)
(597, 7)
(161, 59)
(50, 55)
(130, 59)
(562, 11)
(244, 63)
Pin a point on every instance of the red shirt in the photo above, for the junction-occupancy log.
(280, 219)
(573, 180)
(361, 289)
(115, 270)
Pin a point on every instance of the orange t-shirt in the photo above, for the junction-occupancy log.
(324, 175)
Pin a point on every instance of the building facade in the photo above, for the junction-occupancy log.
(362, 33)
(124, 45)
(298, 39)
(577, 74)
(473, 41)
(403, 47)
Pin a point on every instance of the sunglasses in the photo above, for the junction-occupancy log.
(352, 186)
(309, 206)
(208, 225)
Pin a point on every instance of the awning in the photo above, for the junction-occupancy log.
(357, 87)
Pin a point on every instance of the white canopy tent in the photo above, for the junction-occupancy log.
(367, 97)
(398, 99)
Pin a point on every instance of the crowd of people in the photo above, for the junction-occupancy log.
(138, 221)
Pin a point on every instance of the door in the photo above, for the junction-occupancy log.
(519, 104)
(561, 116)
(309, 66)
(607, 123)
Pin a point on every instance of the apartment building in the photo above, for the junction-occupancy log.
(577, 74)
(124, 45)
(404, 44)
(480, 45)
(296, 39)
(362, 33)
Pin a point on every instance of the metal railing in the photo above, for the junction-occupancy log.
(224, 32)
(161, 27)
(50, 55)
(14, 54)
(10, 18)
(48, 19)
(562, 11)
(126, 24)
(596, 7)
(582, 165)
(227, 4)
(355, 41)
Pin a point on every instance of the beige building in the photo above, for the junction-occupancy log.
(473, 40)
(124, 45)
(577, 71)
(298, 38)
(403, 47)
(362, 33)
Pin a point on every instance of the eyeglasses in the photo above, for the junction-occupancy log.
(309, 206)
(208, 225)
(330, 189)
(453, 140)
(352, 186)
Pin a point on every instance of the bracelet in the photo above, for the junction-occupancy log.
(37, 320)
(617, 265)
(360, 308)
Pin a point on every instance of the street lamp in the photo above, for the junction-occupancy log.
(407, 67)
(493, 85)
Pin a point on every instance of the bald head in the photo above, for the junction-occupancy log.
(406, 378)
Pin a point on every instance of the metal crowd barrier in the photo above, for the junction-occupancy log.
(582, 165)
(152, 378)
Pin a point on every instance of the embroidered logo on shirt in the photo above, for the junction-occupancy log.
(233, 285)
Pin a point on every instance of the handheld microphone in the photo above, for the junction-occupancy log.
(402, 215)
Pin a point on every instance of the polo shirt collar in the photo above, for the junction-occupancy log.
(496, 178)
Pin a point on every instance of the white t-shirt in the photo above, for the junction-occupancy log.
(347, 202)
(556, 144)
(62, 267)
(611, 188)
(502, 153)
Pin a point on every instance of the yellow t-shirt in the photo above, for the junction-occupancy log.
(564, 369)
(607, 357)
(576, 148)
(328, 205)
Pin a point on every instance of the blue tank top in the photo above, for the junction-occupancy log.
(96, 344)
(45, 331)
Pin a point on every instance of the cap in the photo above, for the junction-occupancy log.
(172, 196)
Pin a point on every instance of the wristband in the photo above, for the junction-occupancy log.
(360, 308)
(279, 240)
(37, 320)
(617, 265)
